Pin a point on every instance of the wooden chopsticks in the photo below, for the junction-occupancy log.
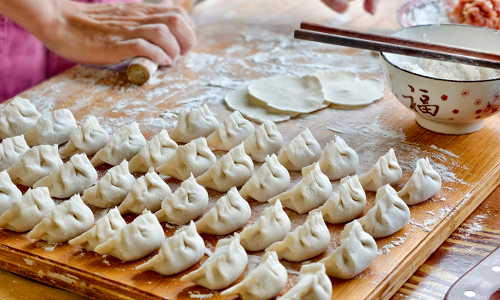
(391, 44)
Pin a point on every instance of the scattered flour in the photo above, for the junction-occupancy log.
(193, 295)
(29, 262)
(391, 245)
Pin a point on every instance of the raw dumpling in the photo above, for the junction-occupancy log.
(157, 151)
(195, 123)
(51, 128)
(177, 253)
(185, 204)
(356, 252)
(388, 216)
(302, 151)
(125, 143)
(345, 205)
(193, 158)
(230, 213)
(313, 284)
(266, 140)
(8, 192)
(264, 282)
(104, 229)
(18, 116)
(147, 192)
(88, 138)
(35, 164)
(223, 267)
(338, 160)
(232, 170)
(25, 213)
(66, 221)
(112, 189)
(385, 171)
(135, 240)
(233, 130)
(423, 184)
(272, 226)
(11, 150)
(306, 241)
(309, 193)
(71, 178)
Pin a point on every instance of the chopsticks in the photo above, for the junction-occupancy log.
(391, 44)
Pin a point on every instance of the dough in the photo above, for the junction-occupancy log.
(51, 128)
(338, 160)
(18, 116)
(233, 130)
(11, 150)
(9, 192)
(423, 184)
(385, 171)
(88, 138)
(302, 151)
(198, 122)
(266, 140)
(157, 151)
(313, 284)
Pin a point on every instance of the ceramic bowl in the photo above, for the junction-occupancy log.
(442, 105)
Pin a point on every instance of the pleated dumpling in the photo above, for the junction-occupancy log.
(309, 193)
(223, 267)
(423, 184)
(233, 130)
(193, 158)
(8, 192)
(112, 189)
(266, 140)
(71, 178)
(185, 204)
(11, 150)
(385, 171)
(264, 282)
(88, 138)
(306, 241)
(135, 240)
(66, 221)
(230, 213)
(35, 164)
(18, 116)
(338, 160)
(52, 127)
(313, 284)
(157, 151)
(177, 253)
(124, 143)
(388, 216)
(302, 151)
(356, 252)
(25, 213)
(232, 170)
(272, 226)
(195, 123)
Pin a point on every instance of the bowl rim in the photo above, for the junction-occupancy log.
(436, 78)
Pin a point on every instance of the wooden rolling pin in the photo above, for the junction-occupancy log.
(140, 70)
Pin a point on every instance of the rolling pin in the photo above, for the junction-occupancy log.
(140, 69)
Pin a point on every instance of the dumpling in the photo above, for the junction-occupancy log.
(104, 229)
(11, 150)
(306, 241)
(230, 213)
(264, 282)
(51, 128)
(88, 138)
(71, 178)
(193, 158)
(25, 213)
(66, 221)
(232, 170)
(233, 130)
(423, 184)
(18, 116)
(266, 140)
(309, 193)
(313, 284)
(223, 267)
(135, 240)
(272, 226)
(8, 192)
(157, 151)
(385, 171)
(35, 164)
(338, 160)
(345, 205)
(388, 216)
(356, 252)
(195, 123)
(185, 204)
(125, 143)
(302, 151)
(147, 192)
(270, 180)
(177, 253)
(112, 189)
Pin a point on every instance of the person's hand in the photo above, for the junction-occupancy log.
(342, 5)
